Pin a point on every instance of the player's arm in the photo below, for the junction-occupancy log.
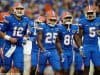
(2, 34)
(59, 48)
(28, 31)
(39, 40)
(7, 37)
(78, 41)
(3, 29)
(58, 45)
(78, 37)
(98, 31)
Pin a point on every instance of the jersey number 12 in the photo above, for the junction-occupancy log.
(18, 31)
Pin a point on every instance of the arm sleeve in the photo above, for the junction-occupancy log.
(3, 27)
(40, 27)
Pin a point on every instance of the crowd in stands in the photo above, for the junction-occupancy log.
(36, 7)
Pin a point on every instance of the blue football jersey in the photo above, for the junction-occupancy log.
(2, 27)
(89, 30)
(49, 36)
(16, 28)
(66, 35)
(2, 40)
(99, 24)
(2, 43)
(33, 35)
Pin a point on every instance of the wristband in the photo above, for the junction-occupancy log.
(62, 54)
(43, 50)
(81, 47)
(25, 38)
(7, 37)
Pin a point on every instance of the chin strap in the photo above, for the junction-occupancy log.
(51, 25)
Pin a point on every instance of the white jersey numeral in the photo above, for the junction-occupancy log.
(18, 31)
(67, 39)
(50, 37)
(92, 32)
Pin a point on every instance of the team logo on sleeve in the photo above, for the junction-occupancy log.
(73, 31)
(97, 24)
(24, 23)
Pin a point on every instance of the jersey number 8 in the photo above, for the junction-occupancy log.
(67, 39)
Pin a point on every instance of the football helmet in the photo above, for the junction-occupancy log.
(3, 15)
(40, 19)
(18, 9)
(1, 18)
(66, 18)
(51, 18)
(90, 12)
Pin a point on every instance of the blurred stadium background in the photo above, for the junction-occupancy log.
(37, 7)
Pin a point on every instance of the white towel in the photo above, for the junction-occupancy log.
(10, 51)
(27, 47)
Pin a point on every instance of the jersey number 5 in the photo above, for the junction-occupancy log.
(92, 32)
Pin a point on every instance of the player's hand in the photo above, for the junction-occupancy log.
(13, 40)
(25, 40)
(45, 52)
(1, 52)
(76, 50)
(98, 32)
(81, 52)
(62, 57)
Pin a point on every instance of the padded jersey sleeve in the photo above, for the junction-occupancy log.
(60, 31)
(5, 25)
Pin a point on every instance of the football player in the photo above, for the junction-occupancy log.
(35, 48)
(88, 28)
(48, 43)
(68, 30)
(15, 29)
(27, 46)
(2, 44)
